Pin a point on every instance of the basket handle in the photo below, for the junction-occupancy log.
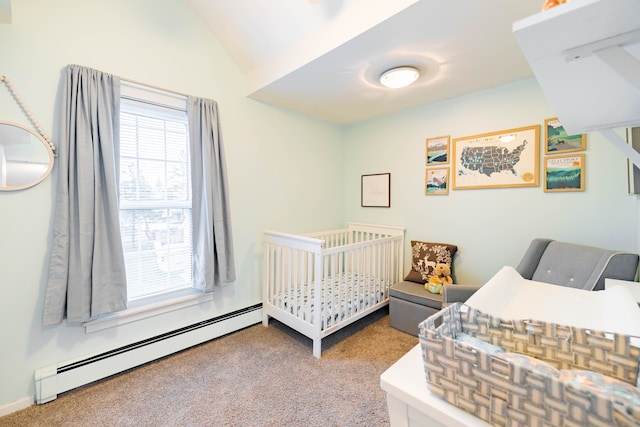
(436, 322)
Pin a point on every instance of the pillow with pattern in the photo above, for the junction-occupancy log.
(425, 255)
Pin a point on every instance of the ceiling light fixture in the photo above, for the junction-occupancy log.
(398, 77)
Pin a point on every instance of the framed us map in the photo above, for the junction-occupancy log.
(508, 158)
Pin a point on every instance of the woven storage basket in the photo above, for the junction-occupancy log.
(507, 393)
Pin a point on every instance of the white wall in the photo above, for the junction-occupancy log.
(491, 227)
(274, 159)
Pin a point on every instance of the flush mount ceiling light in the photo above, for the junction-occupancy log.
(399, 77)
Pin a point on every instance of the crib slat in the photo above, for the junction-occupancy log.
(325, 287)
(375, 285)
(296, 283)
(354, 271)
(365, 286)
(268, 281)
(317, 302)
(280, 274)
(342, 286)
(330, 285)
(362, 270)
(308, 262)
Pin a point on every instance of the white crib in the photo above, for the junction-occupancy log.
(346, 273)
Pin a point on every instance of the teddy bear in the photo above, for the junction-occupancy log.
(441, 276)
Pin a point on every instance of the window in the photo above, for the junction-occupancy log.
(155, 192)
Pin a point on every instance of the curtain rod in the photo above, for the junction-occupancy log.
(154, 87)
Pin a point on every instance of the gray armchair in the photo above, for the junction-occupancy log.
(546, 260)
(575, 266)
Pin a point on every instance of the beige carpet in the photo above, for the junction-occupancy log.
(255, 377)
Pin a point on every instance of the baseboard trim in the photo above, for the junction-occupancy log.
(16, 405)
(60, 377)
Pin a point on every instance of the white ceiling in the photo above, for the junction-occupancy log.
(323, 57)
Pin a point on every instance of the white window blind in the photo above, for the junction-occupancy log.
(155, 192)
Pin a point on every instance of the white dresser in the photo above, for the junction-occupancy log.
(409, 401)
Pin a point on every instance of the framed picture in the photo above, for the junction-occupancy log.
(556, 140)
(436, 181)
(564, 173)
(509, 158)
(438, 150)
(633, 138)
(376, 190)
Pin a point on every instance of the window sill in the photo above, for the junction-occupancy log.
(146, 308)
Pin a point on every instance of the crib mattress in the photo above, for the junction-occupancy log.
(347, 294)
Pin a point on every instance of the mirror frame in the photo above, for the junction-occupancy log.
(49, 152)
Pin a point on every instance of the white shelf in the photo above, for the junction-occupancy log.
(585, 55)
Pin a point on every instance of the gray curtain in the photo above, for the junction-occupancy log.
(86, 269)
(213, 261)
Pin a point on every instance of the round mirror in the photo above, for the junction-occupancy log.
(25, 157)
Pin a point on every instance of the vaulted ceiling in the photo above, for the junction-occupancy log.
(323, 57)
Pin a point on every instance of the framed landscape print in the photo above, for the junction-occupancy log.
(375, 190)
(556, 140)
(438, 150)
(436, 181)
(508, 158)
(564, 173)
(633, 138)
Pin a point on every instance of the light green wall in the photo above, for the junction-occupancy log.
(278, 161)
(491, 227)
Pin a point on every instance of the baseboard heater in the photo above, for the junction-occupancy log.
(61, 377)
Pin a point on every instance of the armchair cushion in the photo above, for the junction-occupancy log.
(425, 255)
(416, 293)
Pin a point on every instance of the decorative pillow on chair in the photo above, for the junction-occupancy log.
(425, 255)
